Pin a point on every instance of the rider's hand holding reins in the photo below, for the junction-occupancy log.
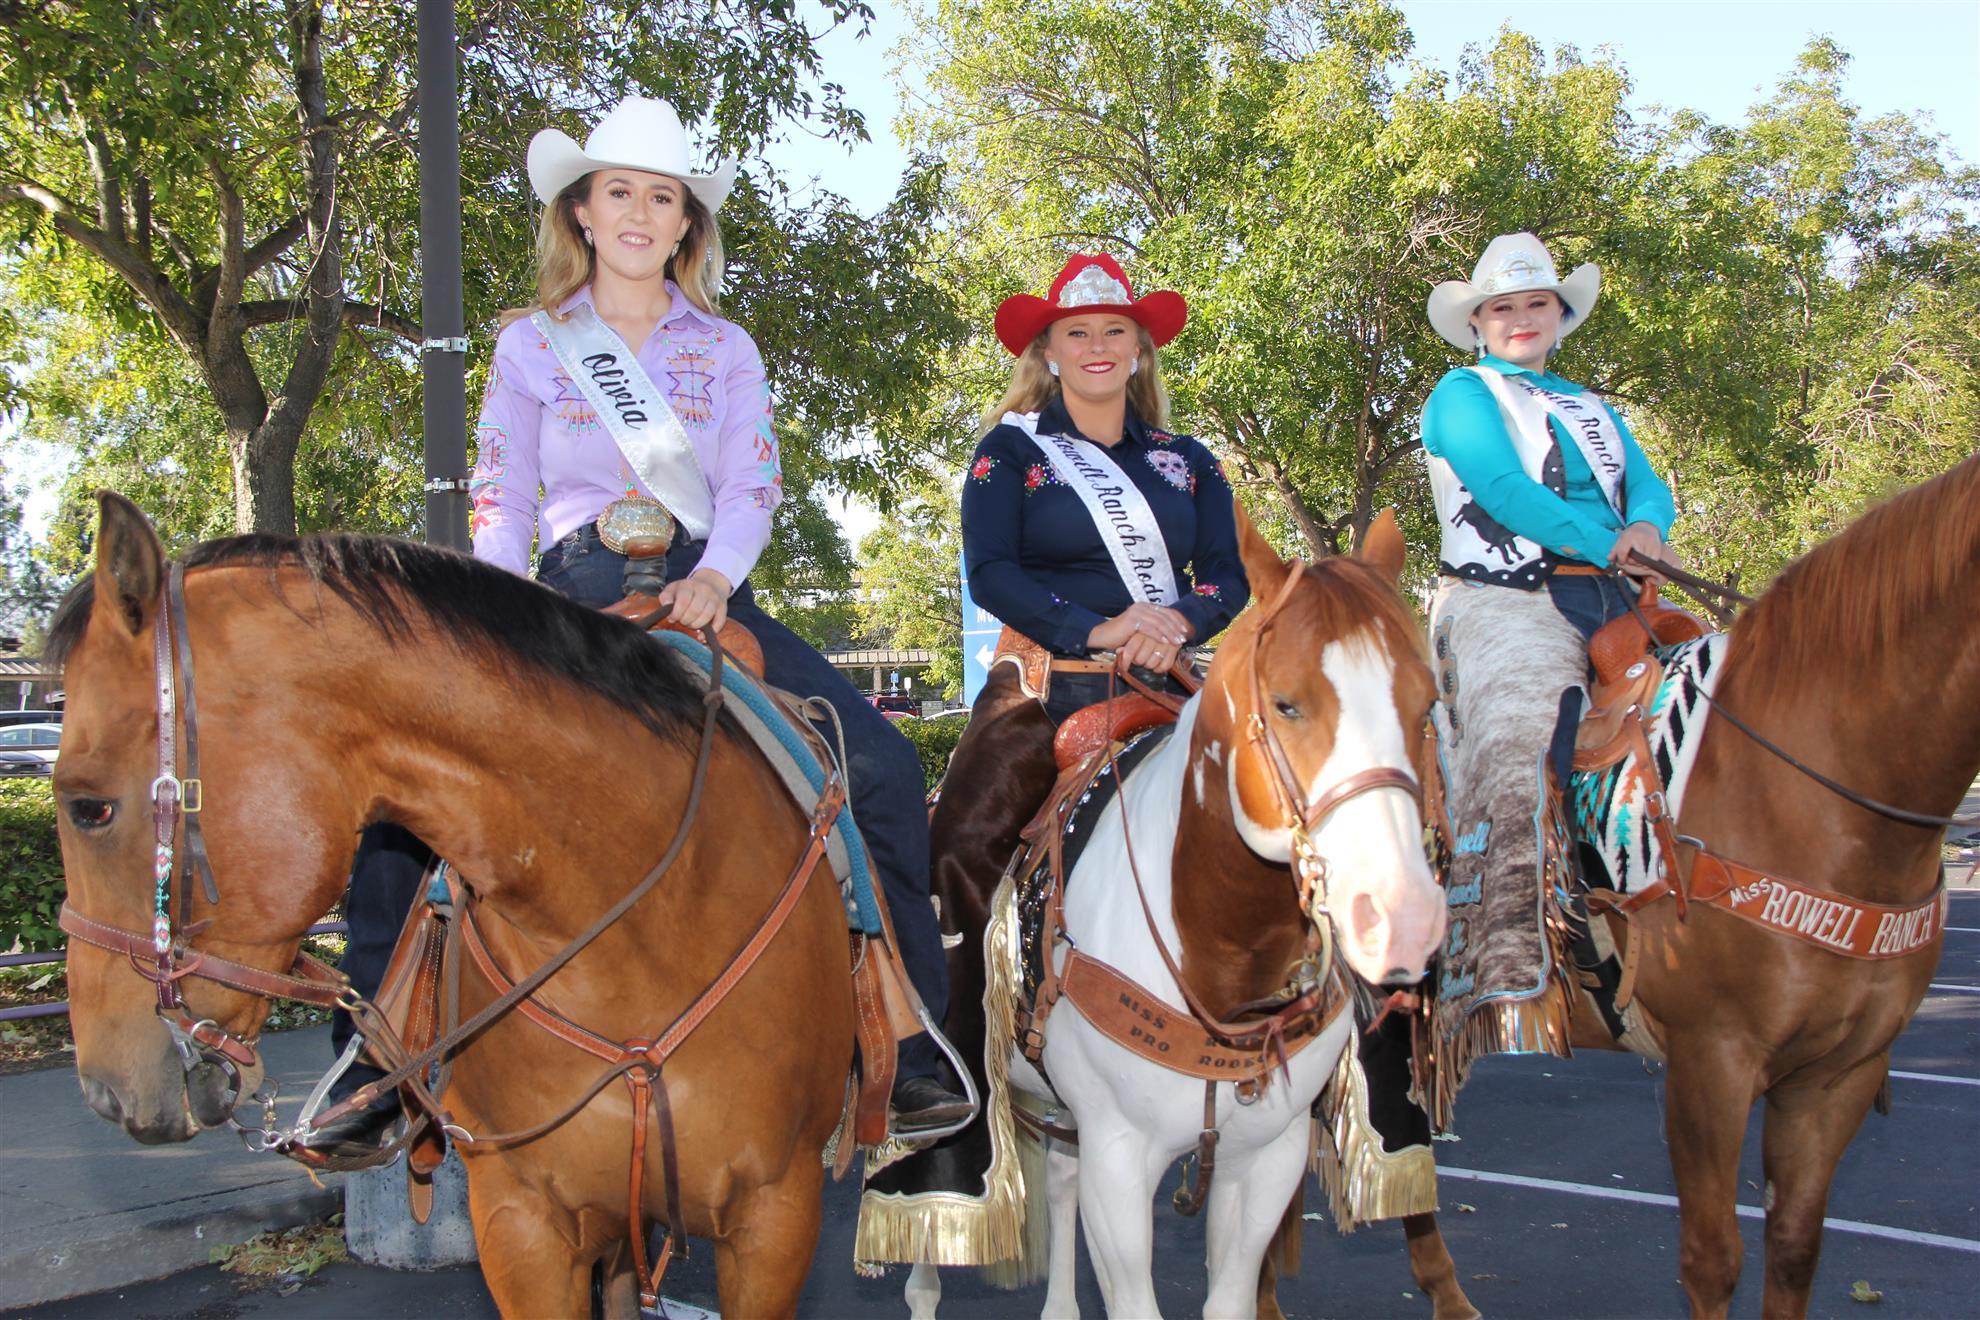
(1148, 636)
(699, 600)
(1641, 536)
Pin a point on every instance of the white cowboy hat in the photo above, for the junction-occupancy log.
(639, 133)
(1513, 263)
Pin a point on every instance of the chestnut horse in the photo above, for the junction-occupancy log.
(1862, 660)
(1284, 803)
(546, 751)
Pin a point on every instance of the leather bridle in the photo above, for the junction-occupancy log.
(166, 956)
(1300, 818)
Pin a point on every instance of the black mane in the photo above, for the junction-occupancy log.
(479, 609)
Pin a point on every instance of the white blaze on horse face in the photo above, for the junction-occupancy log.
(1384, 901)
(1386, 904)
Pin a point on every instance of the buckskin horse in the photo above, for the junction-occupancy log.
(549, 753)
(1860, 664)
(1276, 832)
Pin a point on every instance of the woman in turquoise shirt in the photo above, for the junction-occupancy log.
(1541, 492)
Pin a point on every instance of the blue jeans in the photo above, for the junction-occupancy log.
(1586, 603)
(883, 772)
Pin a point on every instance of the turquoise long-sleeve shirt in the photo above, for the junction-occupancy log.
(1463, 426)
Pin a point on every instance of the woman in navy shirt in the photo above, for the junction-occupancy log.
(1101, 540)
(1061, 549)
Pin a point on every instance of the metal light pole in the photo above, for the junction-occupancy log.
(443, 354)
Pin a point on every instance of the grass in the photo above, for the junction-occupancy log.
(289, 1253)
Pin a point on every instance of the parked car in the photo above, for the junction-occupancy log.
(8, 717)
(895, 705)
(29, 749)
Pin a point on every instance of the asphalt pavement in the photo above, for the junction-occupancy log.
(1557, 1201)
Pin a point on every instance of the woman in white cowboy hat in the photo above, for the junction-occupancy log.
(1541, 492)
(623, 404)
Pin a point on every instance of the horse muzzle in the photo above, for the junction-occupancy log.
(181, 1091)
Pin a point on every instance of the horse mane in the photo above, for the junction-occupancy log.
(478, 609)
(1355, 596)
(1850, 600)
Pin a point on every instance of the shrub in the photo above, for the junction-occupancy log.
(30, 866)
(934, 740)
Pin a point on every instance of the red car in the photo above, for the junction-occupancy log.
(896, 706)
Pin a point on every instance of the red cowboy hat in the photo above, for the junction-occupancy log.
(1090, 284)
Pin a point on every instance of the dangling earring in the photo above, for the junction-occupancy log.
(1478, 341)
(1134, 366)
(675, 251)
(587, 235)
(1558, 341)
(1052, 367)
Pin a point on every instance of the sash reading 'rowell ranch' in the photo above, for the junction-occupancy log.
(1118, 508)
(641, 421)
(1581, 415)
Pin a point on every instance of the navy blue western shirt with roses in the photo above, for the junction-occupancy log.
(1037, 562)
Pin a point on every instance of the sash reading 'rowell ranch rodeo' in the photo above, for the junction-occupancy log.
(637, 414)
(1118, 508)
(1581, 415)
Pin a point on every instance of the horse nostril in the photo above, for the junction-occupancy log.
(102, 1100)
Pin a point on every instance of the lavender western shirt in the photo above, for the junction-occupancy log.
(546, 465)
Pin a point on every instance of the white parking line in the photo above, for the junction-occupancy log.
(1965, 930)
(1936, 1077)
(1957, 989)
(1745, 1211)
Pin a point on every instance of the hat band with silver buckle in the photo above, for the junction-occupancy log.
(1518, 271)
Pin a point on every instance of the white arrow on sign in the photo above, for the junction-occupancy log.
(986, 655)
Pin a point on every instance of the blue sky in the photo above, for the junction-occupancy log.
(1715, 56)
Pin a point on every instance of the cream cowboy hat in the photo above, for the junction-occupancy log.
(1513, 263)
(639, 133)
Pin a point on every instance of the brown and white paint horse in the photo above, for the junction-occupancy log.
(546, 751)
(1345, 688)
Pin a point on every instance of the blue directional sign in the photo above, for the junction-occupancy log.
(979, 642)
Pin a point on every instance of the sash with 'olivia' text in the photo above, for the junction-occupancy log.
(642, 422)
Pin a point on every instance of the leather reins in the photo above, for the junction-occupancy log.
(167, 957)
(1901, 815)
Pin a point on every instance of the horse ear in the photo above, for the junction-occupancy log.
(130, 564)
(1382, 547)
(1262, 565)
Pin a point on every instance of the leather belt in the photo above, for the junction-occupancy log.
(1581, 570)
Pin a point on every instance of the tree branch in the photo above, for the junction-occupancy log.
(273, 311)
(109, 194)
(324, 279)
(132, 266)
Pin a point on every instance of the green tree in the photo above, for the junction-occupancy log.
(1772, 294)
(226, 195)
(910, 586)
(28, 591)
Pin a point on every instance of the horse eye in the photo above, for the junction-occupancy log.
(88, 813)
(1287, 711)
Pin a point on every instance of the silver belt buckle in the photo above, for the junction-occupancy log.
(633, 517)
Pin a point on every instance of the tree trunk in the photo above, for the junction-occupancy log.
(264, 481)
